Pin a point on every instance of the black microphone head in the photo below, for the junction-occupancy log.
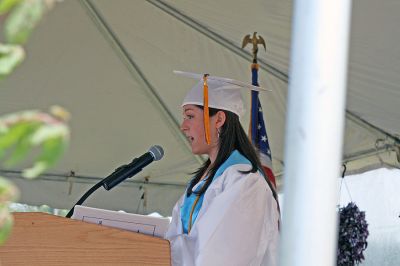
(157, 152)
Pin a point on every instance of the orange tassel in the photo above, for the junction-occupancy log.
(206, 112)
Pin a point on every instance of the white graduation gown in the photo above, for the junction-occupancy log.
(236, 225)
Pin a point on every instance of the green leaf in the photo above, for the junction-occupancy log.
(20, 151)
(6, 5)
(17, 133)
(23, 146)
(22, 20)
(51, 151)
(33, 172)
(10, 138)
(5, 227)
(8, 191)
(21, 132)
(50, 131)
(10, 57)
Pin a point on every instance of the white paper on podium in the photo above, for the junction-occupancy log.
(137, 223)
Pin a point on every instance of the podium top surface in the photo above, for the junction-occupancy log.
(44, 239)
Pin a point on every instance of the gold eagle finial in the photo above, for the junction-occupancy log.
(255, 41)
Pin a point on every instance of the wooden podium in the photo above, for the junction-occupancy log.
(44, 239)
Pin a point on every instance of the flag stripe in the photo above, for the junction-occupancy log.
(258, 131)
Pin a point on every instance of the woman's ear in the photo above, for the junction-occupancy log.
(221, 118)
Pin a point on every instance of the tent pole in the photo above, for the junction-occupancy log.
(314, 131)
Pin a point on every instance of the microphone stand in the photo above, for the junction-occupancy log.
(84, 197)
(121, 173)
(106, 180)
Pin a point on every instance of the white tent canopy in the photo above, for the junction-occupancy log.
(110, 64)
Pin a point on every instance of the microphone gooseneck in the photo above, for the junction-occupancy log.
(123, 172)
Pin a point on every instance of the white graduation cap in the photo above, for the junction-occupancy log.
(216, 92)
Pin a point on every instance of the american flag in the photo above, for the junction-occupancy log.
(258, 131)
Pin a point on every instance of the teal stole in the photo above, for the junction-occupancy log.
(192, 204)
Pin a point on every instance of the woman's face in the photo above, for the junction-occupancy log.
(193, 128)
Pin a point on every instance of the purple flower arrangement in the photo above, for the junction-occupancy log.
(353, 233)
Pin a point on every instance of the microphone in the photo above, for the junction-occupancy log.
(123, 172)
(155, 153)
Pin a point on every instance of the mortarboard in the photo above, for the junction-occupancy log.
(216, 92)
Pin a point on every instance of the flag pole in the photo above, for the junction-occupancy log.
(257, 130)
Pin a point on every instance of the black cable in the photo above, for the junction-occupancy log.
(84, 197)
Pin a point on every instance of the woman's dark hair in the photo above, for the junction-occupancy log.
(232, 137)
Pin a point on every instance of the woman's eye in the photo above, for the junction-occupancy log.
(186, 117)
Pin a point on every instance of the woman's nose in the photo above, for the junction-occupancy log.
(184, 125)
